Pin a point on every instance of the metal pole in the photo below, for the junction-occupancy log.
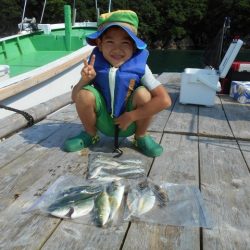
(97, 10)
(109, 5)
(44, 4)
(74, 13)
(24, 8)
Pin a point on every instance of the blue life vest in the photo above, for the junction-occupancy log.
(116, 84)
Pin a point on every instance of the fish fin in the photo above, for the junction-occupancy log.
(142, 185)
(160, 194)
(71, 211)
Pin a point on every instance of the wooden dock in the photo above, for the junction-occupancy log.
(205, 147)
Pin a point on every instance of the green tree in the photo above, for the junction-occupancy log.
(161, 21)
(11, 12)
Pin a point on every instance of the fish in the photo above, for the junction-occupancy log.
(140, 201)
(115, 192)
(109, 176)
(106, 161)
(94, 172)
(72, 207)
(132, 161)
(107, 169)
(102, 208)
(125, 173)
(82, 189)
(146, 202)
(110, 162)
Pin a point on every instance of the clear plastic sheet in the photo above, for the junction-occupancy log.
(87, 202)
(104, 167)
(182, 205)
(106, 204)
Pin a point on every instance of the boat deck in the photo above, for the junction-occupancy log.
(205, 147)
(33, 60)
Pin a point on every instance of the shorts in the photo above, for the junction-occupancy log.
(104, 122)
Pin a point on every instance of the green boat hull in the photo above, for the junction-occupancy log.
(30, 51)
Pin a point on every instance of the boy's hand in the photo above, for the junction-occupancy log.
(124, 120)
(88, 72)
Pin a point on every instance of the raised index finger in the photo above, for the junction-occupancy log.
(92, 60)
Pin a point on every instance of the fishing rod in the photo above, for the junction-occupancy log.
(226, 27)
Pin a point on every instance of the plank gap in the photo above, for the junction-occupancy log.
(125, 236)
(51, 232)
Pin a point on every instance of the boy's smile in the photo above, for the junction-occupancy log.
(116, 45)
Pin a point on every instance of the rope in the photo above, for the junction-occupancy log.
(26, 115)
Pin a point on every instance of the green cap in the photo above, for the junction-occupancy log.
(126, 17)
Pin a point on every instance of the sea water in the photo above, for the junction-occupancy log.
(177, 60)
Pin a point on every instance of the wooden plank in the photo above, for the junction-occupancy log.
(238, 116)
(143, 236)
(183, 119)
(23, 230)
(245, 149)
(15, 146)
(17, 121)
(39, 160)
(93, 237)
(213, 122)
(178, 164)
(159, 120)
(41, 173)
(225, 184)
(65, 114)
(79, 236)
(171, 83)
(172, 80)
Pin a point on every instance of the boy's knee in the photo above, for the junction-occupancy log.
(141, 96)
(84, 97)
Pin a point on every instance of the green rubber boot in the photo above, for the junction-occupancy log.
(83, 140)
(148, 146)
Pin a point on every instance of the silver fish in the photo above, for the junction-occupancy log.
(115, 192)
(72, 208)
(125, 173)
(116, 173)
(108, 178)
(106, 161)
(111, 162)
(94, 172)
(140, 201)
(83, 189)
(102, 207)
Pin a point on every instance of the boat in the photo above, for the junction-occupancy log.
(41, 62)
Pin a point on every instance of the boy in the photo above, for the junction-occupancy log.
(117, 88)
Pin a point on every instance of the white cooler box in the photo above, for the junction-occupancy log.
(199, 86)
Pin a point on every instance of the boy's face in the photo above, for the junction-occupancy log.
(116, 45)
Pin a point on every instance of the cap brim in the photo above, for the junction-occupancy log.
(91, 39)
